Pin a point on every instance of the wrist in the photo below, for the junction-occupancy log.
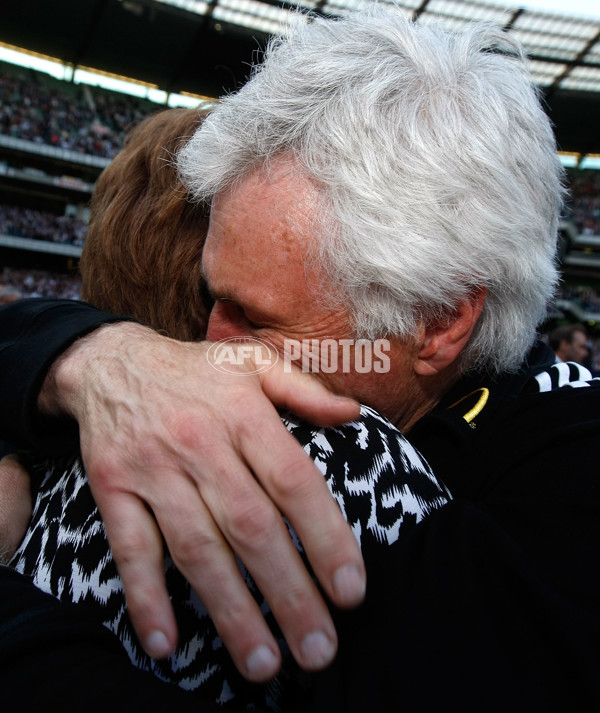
(63, 389)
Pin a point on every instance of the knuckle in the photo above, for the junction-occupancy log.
(190, 434)
(293, 603)
(130, 548)
(105, 473)
(101, 471)
(251, 522)
(194, 549)
(232, 619)
(142, 600)
(183, 428)
(293, 479)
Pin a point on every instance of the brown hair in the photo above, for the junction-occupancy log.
(143, 250)
(565, 333)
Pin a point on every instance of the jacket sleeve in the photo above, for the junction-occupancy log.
(33, 333)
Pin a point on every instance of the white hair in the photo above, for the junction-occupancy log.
(435, 162)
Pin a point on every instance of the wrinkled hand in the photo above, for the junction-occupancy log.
(15, 505)
(174, 446)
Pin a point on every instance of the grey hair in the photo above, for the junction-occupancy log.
(435, 162)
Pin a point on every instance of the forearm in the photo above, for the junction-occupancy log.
(33, 333)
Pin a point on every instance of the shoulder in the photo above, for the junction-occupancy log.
(543, 412)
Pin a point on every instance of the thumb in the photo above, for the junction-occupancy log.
(305, 395)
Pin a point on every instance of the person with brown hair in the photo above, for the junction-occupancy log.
(142, 258)
(143, 249)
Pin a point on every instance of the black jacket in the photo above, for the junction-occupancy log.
(493, 602)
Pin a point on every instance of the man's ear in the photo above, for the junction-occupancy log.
(442, 343)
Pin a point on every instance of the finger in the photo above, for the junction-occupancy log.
(297, 605)
(294, 483)
(257, 532)
(137, 549)
(204, 558)
(288, 387)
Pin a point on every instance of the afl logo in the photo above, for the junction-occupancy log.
(257, 355)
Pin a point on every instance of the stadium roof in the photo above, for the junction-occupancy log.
(565, 51)
(206, 47)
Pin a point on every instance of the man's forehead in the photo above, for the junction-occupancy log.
(248, 253)
(266, 213)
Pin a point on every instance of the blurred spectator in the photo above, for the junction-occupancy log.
(9, 294)
(570, 343)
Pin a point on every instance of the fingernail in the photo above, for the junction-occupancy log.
(157, 645)
(262, 664)
(349, 585)
(317, 649)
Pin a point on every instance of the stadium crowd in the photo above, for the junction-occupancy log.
(584, 204)
(27, 282)
(82, 119)
(41, 225)
(584, 296)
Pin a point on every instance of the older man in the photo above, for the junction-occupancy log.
(374, 180)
